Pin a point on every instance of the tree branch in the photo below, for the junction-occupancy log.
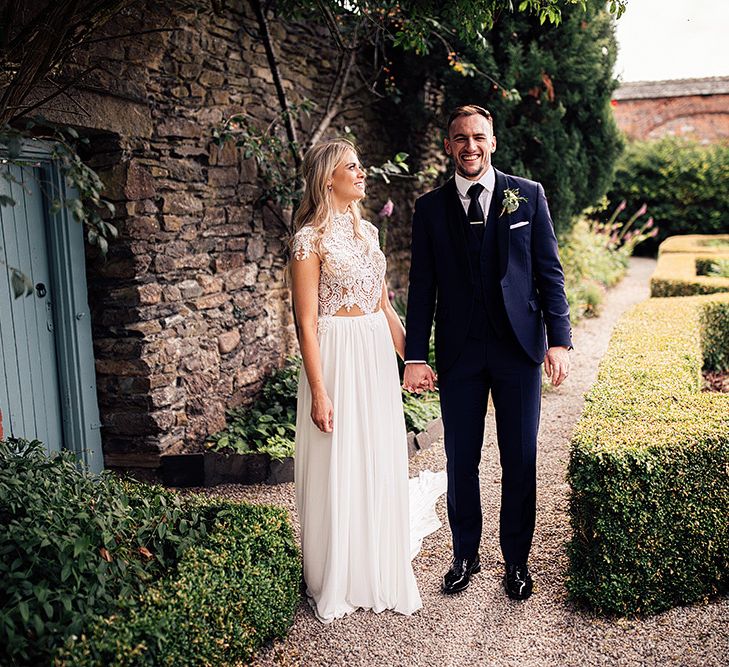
(265, 35)
(38, 56)
(333, 108)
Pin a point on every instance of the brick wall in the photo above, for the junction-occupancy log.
(701, 117)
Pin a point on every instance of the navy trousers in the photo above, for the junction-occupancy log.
(498, 365)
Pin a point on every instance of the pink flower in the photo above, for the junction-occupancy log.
(387, 209)
(642, 210)
(649, 224)
(622, 205)
(391, 295)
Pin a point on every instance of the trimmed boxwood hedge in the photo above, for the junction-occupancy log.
(679, 259)
(96, 570)
(228, 596)
(648, 463)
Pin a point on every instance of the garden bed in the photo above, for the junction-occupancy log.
(649, 497)
(98, 570)
(692, 264)
(211, 468)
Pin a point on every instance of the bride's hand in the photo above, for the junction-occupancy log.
(322, 413)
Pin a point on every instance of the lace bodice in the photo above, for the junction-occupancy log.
(353, 269)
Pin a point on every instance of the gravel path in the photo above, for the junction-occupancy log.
(481, 626)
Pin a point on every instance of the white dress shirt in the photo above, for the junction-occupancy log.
(488, 180)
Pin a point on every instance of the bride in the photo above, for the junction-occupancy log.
(351, 473)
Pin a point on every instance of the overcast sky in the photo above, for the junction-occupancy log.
(673, 39)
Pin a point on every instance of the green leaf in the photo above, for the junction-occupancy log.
(7, 200)
(24, 610)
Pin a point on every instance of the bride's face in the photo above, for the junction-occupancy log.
(348, 179)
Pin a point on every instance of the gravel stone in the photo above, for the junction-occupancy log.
(481, 626)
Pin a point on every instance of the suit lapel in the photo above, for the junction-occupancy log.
(455, 223)
(501, 221)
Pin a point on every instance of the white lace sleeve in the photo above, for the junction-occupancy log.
(303, 243)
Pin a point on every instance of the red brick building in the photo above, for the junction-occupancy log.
(692, 108)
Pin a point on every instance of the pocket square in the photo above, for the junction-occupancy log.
(519, 224)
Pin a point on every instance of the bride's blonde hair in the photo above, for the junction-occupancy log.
(316, 208)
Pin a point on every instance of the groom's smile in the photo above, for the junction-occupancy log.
(470, 143)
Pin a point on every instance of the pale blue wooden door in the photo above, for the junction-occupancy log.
(29, 383)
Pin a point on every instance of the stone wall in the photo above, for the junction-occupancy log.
(190, 309)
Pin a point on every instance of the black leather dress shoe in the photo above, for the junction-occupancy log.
(518, 581)
(459, 576)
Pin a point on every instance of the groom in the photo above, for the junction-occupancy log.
(485, 263)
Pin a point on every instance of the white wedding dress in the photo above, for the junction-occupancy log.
(361, 520)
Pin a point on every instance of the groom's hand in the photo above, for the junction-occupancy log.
(419, 378)
(557, 364)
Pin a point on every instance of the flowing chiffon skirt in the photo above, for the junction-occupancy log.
(352, 490)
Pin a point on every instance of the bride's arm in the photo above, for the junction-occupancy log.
(397, 330)
(305, 288)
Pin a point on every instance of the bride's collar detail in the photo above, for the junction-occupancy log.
(342, 217)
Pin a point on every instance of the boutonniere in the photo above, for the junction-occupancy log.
(511, 201)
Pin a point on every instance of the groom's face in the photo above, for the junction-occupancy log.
(470, 143)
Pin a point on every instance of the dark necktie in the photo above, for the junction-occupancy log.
(475, 212)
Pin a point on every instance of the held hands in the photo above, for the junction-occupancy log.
(322, 413)
(419, 378)
(557, 364)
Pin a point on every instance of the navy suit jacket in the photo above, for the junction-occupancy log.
(442, 283)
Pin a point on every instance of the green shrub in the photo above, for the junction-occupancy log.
(551, 106)
(683, 183)
(72, 544)
(648, 463)
(715, 335)
(269, 424)
(229, 595)
(590, 267)
(420, 410)
(685, 266)
(78, 550)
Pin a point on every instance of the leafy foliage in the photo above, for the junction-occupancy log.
(269, 424)
(648, 463)
(230, 594)
(718, 268)
(591, 266)
(548, 88)
(420, 410)
(99, 570)
(421, 25)
(72, 545)
(683, 183)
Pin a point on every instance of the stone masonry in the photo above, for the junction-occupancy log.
(190, 308)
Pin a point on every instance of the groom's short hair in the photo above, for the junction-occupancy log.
(469, 110)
